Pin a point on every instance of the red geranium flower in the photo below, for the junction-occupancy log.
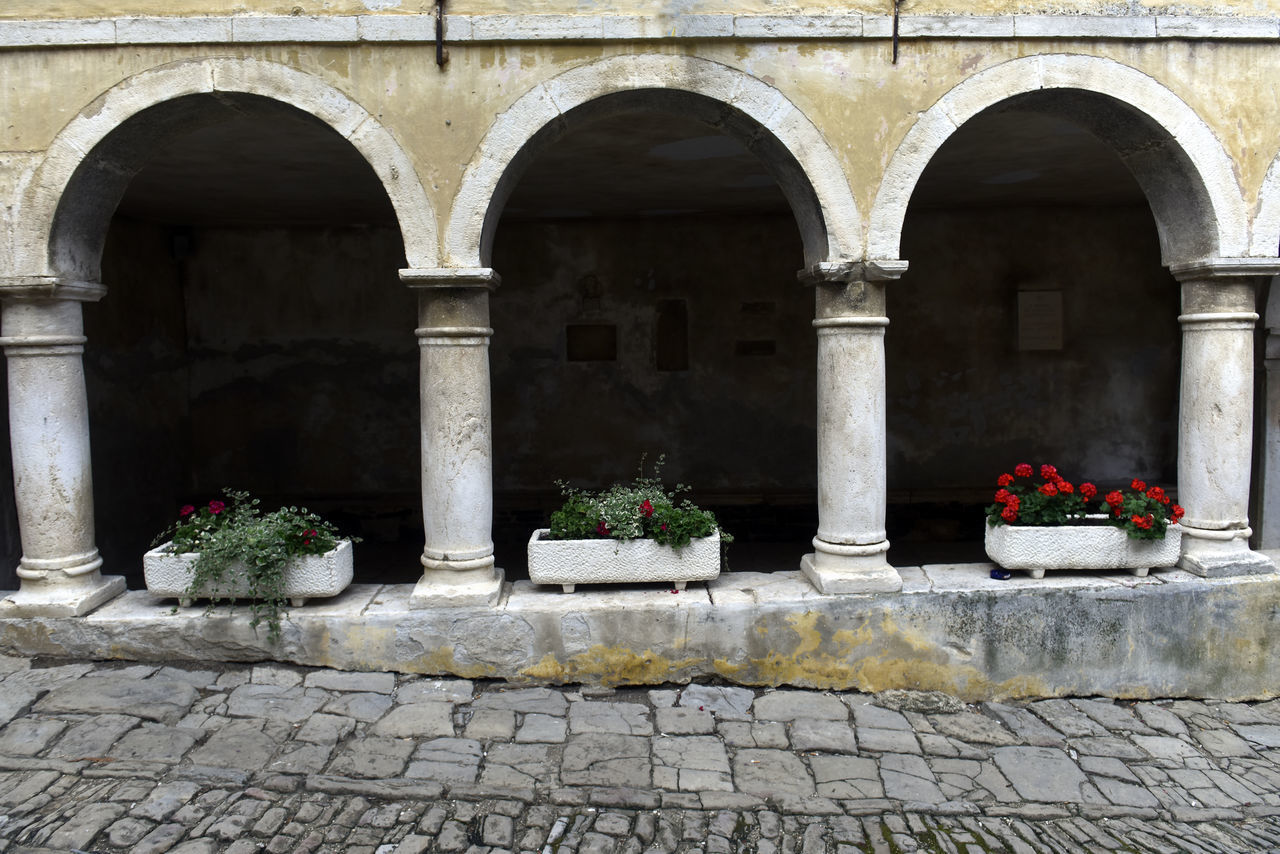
(1004, 479)
(1023, 470)
(1138, 485)
(646, 508)
(602, 529)
(1003, 496)
(1009, 513)
(216, 507)
(1088, 490)
(1048, 472)
(186, 511)
(1177, 513)
(1115, 498)
(1048, 489)
(1064, 487)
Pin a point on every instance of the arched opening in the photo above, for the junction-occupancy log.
(1037, 322)
(648, 248)
(255, 333)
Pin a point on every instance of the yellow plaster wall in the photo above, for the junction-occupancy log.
(861, 103)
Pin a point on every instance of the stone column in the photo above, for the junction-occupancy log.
(457, 445)
(42, 333)
(850, 550)
(1215, 447)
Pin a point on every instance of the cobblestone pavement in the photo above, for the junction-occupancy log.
(242, 758)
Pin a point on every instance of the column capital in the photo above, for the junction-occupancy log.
(1224, 268)
(451, 277)
(49, 288)
(844, 272)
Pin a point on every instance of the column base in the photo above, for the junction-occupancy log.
(458, 589)
(1221, 554)
(836, 569)
(1244, 562)
(67, 599)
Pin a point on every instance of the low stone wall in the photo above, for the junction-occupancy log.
(952, 629)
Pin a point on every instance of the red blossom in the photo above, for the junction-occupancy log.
(1009, 513)
(1003, 496)
(1023, 470)
(1064, 487)
(1143, 522)
(186, 511)
(216, 507)
(1138, 485)
(1004, 479)
(646, 508)
(1115, 498)
(1177, 513)
(1048, 489)
(1048, 472)
(602, 529)
(1088, 490)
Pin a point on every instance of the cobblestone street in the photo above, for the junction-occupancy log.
(242, 758)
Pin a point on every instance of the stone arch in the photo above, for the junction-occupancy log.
(743, 106)
(64, 209)
(1179, 163)
(1266, 224)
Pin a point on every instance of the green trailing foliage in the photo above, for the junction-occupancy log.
(235, 534)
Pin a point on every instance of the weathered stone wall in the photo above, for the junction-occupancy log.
(965, 403)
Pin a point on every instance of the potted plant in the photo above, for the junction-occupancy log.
(231, 550)
(1053, 524)
(628, 532)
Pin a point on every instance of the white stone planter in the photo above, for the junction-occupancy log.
(572, 562)
(1037, 549)
(305, 577)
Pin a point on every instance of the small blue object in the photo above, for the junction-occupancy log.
(1001, 574)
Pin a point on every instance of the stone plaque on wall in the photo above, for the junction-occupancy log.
(1039, 320)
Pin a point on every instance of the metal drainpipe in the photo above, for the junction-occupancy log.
(442, 55)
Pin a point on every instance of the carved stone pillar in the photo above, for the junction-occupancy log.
(850, 550)
(457, 445)
(1215, 445)
(42, 333)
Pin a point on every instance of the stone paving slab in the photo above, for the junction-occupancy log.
(271, 757)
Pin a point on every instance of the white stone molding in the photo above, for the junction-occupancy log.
(818, 189)
(457, 439)
(58, 225)
(392, 27)
(1215, 443)
(42, 334)
(1182, 167)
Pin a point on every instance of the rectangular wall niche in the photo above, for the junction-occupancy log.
(671, 336)
(591, 342)
(1039, 320)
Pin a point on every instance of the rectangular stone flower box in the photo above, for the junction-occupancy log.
(1037, 549)
(305, 577)
(572, 562)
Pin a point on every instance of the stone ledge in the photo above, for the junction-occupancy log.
(952, 629)
(462, 29)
